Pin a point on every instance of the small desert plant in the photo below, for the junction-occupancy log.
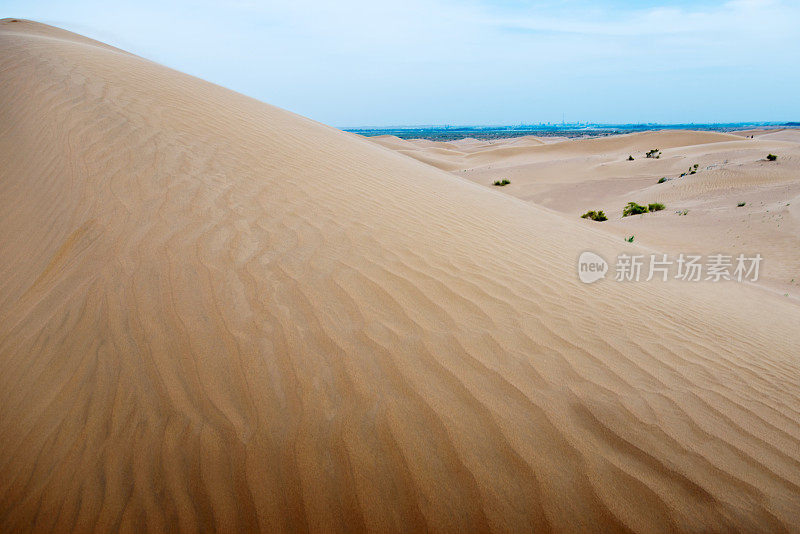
(630, 158)
(695, 166)
(656, 206)
(653, 153)
(629, 239)
(501, 182)
(684, 212)
(741, 204)
(662, 180)
(772, 157)
(634, 209)
(595, 216)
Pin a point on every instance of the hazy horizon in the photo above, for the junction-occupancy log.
(470, 62)
(556, 124)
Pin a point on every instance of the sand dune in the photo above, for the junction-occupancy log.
(792, 136)
(703, 212)
(215, 314)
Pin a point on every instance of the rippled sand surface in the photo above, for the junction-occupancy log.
(215, 314)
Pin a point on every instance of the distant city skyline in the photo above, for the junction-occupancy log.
(556, 124)
(491, 62)
(453, 132)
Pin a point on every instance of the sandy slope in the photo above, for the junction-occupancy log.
(578, 175)
(217, 314)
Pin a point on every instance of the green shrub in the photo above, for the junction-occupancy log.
(629, 239)
(630, 158)
(634, 209)
(595, 216)
(741, 204)
(772, 157)
(656, 206)
(501, 182)
(655, 153)
(662, 180)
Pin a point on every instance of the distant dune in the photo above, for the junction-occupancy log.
(215, 314)
(577, 175)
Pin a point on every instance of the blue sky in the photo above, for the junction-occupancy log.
(370, 62)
